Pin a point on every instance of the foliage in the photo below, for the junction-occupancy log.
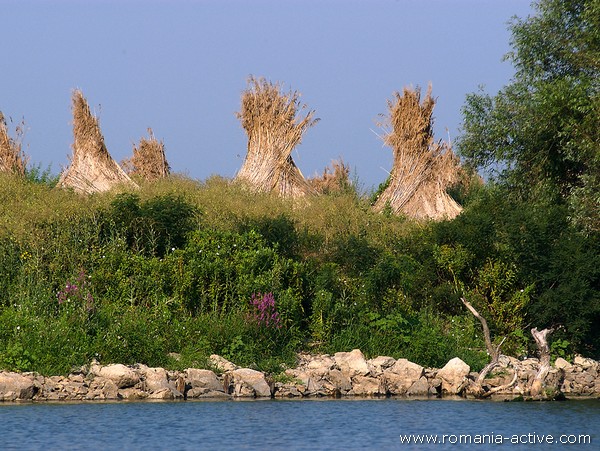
(556, 54)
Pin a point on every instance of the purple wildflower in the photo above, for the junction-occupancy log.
(264, 310)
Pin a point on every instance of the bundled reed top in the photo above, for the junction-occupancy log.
(270, 119)
(423, 169)
(92, 168)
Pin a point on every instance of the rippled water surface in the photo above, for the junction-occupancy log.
(291, 425)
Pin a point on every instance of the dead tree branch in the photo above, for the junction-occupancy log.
(493, 351)
(541, 340)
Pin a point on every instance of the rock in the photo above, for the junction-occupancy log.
(132, 394)
(196, 392)
(401, 376)
(394, 384)
(562, 364)
(320, 365)
(164, 393)
(215, 395)
(155, 379)
(352, 363)
(407, 369)
(340, 381)
(287, 391)
(15, 386)
(419, 388)
(102, 388)
(121, 375)
(453, 376)
(584, 362)
(379, 364)
(221, 364)
(366, 386)
(203, 379)
(249, 383)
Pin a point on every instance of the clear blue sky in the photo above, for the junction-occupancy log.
(180, 67)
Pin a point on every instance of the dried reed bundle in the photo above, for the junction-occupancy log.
(92, 168)
(423, 169)
(12, 158)
(334, 178)
(270, 119)
(148, 161)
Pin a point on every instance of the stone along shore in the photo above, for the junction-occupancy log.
(343, 374)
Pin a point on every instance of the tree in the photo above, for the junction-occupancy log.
(540, 135)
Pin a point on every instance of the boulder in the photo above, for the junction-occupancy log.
(401, 376)
(164, 394)
(562, 364)
(249, 383)
(453, 376)
(221, 364)
(340, 381)
(319, 365)
(394, 384)
(154, 379)
(287, 390)
(366, 386)
(14, 386)
(102, 388)
(132, 394)
(379, 364)
(121, 375)
(407, 369)
(584, 362)
(352, 363)
(419, 388)
(213, 394)
(202, 379)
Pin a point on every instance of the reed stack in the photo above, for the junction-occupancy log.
(148, 161)
(12, 157)
(274, 126)
(92, 169)
(423, 169)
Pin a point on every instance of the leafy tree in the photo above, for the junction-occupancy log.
(540, 135)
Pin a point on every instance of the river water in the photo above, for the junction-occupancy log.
(300, 425)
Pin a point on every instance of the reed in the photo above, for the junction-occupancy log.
(423, 169)
(12, 158)
(274, 127)
(92, 169)
(335, 178)
(148, 161)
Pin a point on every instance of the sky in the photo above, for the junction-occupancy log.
(180, 67)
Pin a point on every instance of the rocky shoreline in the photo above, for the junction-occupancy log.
(344, 374)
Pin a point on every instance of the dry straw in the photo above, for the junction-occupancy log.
(423, 169)
(12, 158)
(92, 168)
(334, 179)
(148, 161)
(271, 121)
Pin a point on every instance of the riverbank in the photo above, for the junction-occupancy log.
(344, 374)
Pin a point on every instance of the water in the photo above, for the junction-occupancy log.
(290, 425)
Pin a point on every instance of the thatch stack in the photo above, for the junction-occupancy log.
(148, 161)
(92, 168)
(270, 119)
(12, 158)
(335, 178)
(423, 169)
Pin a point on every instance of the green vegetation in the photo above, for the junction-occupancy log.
(194, 268)
(173, 268)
